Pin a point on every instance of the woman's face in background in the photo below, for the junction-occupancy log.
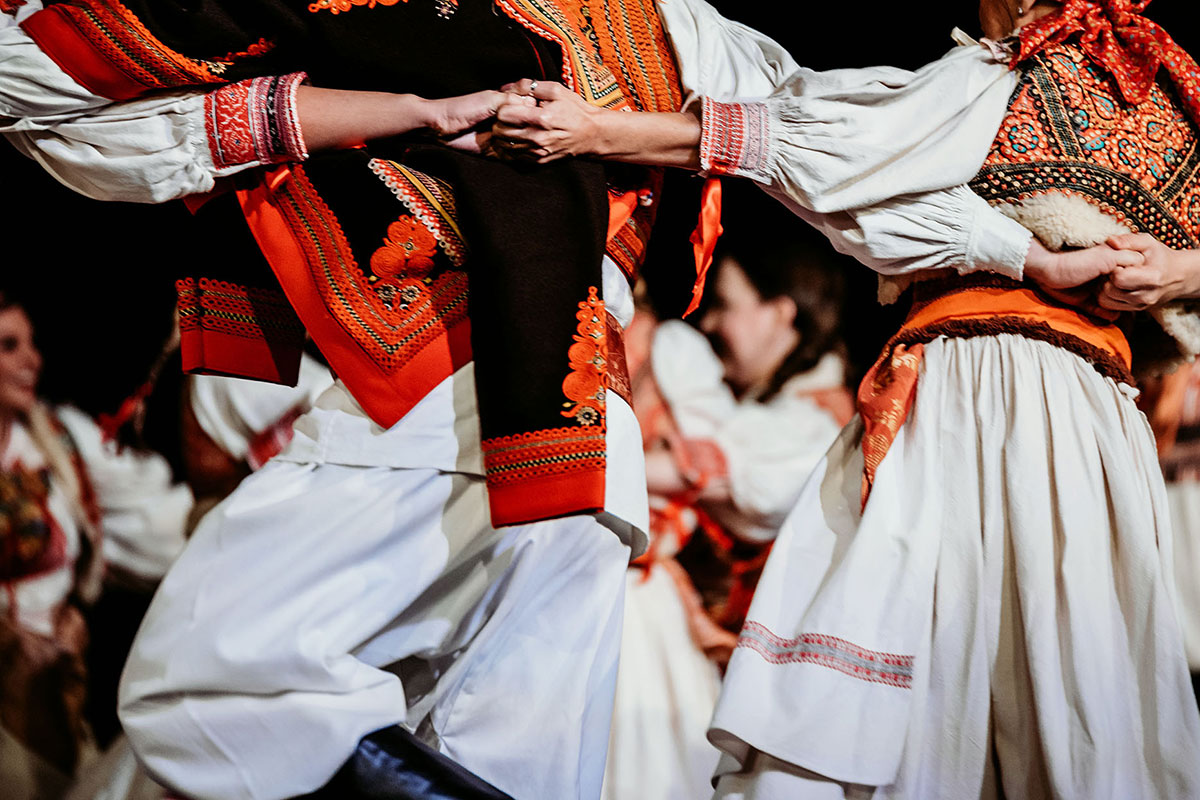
(20, 363)
(751, 336)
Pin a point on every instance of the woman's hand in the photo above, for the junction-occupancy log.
(1070, 277)
(557, 124)
(1163, 275)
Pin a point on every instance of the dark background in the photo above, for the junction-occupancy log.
(98, 277)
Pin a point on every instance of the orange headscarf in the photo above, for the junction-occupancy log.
(1118, 38)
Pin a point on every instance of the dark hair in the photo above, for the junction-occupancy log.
(788, 263)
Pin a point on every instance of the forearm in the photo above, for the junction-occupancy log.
(652, 138)
(337, 118)
(1187, 267)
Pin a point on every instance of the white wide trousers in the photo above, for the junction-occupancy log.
(320, 603)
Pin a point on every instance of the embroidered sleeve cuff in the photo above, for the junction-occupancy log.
(996, 243)
(735, 138)
(254, 122)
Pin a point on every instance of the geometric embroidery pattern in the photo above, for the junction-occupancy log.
(829, 651)
(246, 312)
(734, 137)
(539, 454)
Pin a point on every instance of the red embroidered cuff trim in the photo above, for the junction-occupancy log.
(558, 451)
(255, 122)
(734, 137)
(829, 651)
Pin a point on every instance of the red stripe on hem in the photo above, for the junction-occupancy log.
(207, 352)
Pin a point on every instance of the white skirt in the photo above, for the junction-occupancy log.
(1002, 605)
(666, 690)
(1184, 499)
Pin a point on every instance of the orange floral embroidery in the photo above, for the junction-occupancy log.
(338, 6)
(255, 50)
(408, 250)
(584, 386)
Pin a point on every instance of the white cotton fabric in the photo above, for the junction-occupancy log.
(320, 603)
(232, 411)
(1184, 500)
(667, 686)
(875, 158)
(1017, 545)
(771, 448)
(666, 691)
(143, 512)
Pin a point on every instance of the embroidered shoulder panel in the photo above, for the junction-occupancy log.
(411, 295)
(1069, 130)
(583, 72)
(629, 38)
(71, 32)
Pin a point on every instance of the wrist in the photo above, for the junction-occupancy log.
(1039, 261)
(601, 132)
(425, 114)
(1189, 264)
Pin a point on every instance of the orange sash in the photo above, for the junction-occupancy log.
(886, 394)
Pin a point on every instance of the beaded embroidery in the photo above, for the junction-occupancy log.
(1069, 131)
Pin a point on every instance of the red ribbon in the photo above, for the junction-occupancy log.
(704, 238)
(1118, 38)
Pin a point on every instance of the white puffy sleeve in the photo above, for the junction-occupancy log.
(150, 149)
(885, 153)
(142, 512)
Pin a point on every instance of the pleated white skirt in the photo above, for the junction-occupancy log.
(666, 690)
(1184, 500)
(998, 618)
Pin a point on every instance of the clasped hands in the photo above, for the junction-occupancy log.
(543, 121)
(1131, 272)
(537, 121)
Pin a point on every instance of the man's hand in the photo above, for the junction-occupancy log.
(1073, 268)
(1163, 275)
